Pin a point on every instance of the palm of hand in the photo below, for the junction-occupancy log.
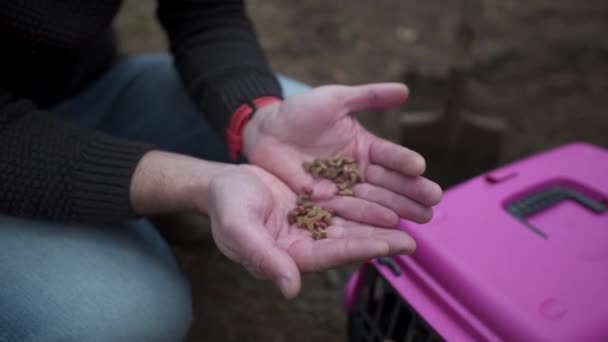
(318, 124)
(249, 224)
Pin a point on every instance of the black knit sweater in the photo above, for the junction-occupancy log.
(55, 171)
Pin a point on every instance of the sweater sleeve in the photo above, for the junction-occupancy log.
(217, 54)
(54, 171)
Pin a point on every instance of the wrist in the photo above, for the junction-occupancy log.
(246, 118)
(256, 126)
(166, 182)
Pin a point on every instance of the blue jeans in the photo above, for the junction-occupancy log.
(91, 283)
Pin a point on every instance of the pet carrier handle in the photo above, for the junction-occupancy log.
(546, 198)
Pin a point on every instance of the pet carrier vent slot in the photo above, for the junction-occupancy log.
(381, 315)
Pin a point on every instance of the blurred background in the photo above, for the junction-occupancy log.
(491, 81)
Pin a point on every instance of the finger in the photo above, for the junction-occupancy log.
(398, 240)
(257, 251)
(338, 221)
(330, 253)
(396, 157)
(360, 210)
(403, 206)
(275, 264)
(377, 96)
(291, 169)
(417, 188)
(322, 189)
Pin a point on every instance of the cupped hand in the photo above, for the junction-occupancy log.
(248, 208)
(320, 124)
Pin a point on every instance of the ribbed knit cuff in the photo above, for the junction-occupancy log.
(222, 97)
(103, 179)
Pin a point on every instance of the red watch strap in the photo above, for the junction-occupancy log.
(240, 117)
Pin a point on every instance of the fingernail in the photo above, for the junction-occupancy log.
(383, 247)
(408, 248)
(434, 194)
(420, 164)
(284, 284)
(427, 215)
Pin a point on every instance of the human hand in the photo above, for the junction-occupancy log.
(319, 124)
(248, 208)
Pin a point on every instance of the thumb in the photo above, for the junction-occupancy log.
(374, 96)
(268, 261)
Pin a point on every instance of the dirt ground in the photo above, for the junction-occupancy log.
(540, 66)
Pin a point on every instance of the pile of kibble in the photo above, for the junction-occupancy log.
(343, 171)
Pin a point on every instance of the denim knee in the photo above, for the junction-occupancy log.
(88, 284)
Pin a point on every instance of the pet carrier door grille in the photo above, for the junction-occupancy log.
(381, 315)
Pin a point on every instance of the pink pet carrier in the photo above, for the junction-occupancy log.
(517, 254)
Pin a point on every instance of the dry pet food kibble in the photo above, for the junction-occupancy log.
(310, 216)
(343, 171)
